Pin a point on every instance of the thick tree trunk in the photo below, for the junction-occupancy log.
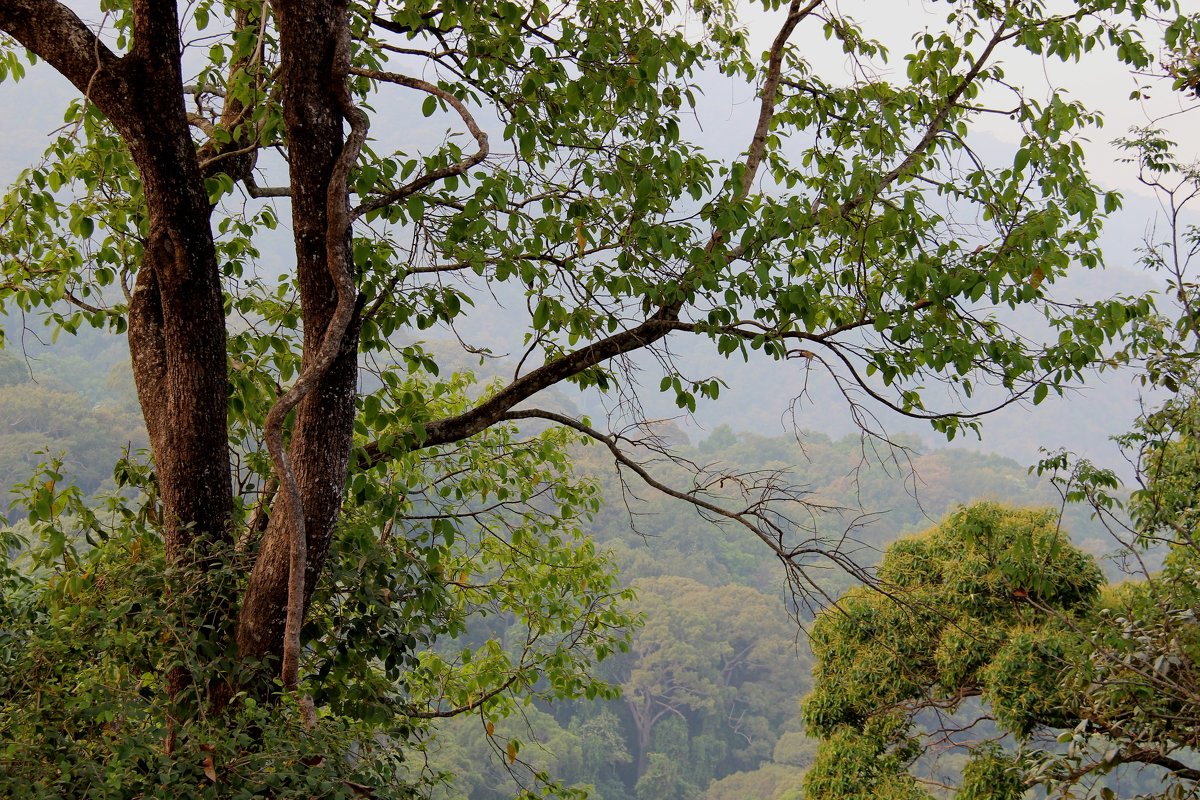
(177, 317)
(322, 431)
(176, 320)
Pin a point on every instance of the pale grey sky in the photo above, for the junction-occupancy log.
(33, 109)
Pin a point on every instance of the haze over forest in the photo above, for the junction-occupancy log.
(611, 400)
(733, 734)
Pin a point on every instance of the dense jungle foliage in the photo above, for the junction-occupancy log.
(710, 678)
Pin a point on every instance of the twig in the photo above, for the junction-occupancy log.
(429, 178)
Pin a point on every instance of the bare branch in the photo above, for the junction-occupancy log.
(751, 518)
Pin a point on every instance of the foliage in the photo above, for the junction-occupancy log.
(992, 774)
(720, 663)
(994, 604)
(593, 743)
(985, 605)
(95, 620)
(769, 782)
(1137, 688)
(91, 633)
(378, 538)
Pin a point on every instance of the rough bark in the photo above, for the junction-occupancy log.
(176, 319)
(322, 431)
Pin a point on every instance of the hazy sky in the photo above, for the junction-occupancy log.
(34, 106)
(33, 109)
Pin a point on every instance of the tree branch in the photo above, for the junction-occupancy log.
(649, 331)
(433, 176)
(766, 111)
(474, 704)
(256, 191)
(749, 518)
(937, 123)
(492, 410)
(1146, 756)
(56, 35)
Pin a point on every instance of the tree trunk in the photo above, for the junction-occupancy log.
(322, 432)
(643, 724)
(177, 338)
(177, 317)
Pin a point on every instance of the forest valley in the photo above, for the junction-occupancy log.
(359, 309)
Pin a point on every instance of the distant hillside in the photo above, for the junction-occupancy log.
(712, 682)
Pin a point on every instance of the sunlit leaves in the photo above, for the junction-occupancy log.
(972, 608)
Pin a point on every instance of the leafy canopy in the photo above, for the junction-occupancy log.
(979, 606)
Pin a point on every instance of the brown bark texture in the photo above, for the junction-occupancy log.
(177, 334)
(322, 431)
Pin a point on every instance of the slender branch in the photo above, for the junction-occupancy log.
(225, 155)
(86, 306)
(766, 111)
(492, 410)
(773, 333)
(623, 458)
(463, 709)
(195, 90)
(1153, 757)
(862, 384)
(934, 129)
(433, 176)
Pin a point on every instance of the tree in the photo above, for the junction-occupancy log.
(964, 612)
(1138, 688)
(839, 251)
(980, 606)
(990, 630)
(719, 660)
